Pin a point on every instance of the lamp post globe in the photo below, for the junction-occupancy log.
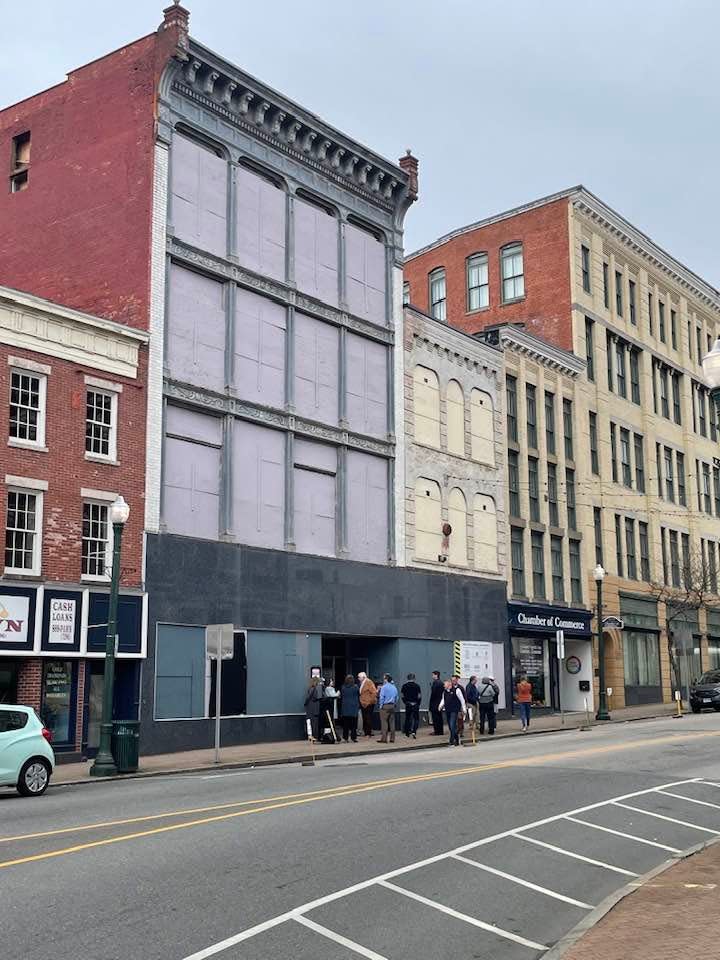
(602, 711)
(104, 764)
(711, 370)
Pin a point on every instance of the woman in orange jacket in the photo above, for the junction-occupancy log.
(524, 701)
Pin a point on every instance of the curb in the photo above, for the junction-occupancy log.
(595, 916)
(301, 758)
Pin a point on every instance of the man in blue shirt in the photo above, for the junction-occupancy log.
(387, 702)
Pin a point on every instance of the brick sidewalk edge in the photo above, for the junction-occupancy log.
(595, 916)
(332, 755)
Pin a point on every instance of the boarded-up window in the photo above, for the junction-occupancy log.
(260, 224)
(258, 485)
(481, 427)
(260, 326)
(315, 482)
(455, 419)
(316, 369)
(365, 274)
(428, 520)
(199, 195)
(316, 252)
(457, 517)
(367, 507)
(191, 473)
(196, 329)
(426, 406)
(366, 385)
(485, 532)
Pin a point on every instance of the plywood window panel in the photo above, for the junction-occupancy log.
(316, 252)
(485, 533)
(455, 419)
(191, 488)
(258, 485)
(199, 195)
(457, 517)
(260, 331)
(196, 329)
(481, 427)
(365, 274)
(315, 497)
(367, 507)
(260, 221)
(426, 406)
(428, 520)
(316, 369)
(366, 391)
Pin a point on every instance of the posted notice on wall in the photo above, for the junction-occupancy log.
(61, 627)
(481, 659)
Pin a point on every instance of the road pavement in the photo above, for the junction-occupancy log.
(493, 851)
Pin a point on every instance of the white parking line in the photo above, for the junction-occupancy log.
(661, 816)
(627, 836)
(299, 911)
(679, 796)
(338, 938)
(505, 934)
(577, 856)
(524, 883)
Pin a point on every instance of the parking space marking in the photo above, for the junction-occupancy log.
(661, 816)
(523, 883)
(627, 836)
(339, 938)
(491, 928)
(679, 796)
(577, 856)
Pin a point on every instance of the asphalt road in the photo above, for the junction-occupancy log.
(493, 851)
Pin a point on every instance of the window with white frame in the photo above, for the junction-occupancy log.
(100, 423)
(27, 407)
(512, 270)
(95, 540)
(478, 287)
(438, 294)
(23, 531)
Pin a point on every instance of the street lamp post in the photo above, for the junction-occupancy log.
(104, 765)
(711, 369)
(602, 711)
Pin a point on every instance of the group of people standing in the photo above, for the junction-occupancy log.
(473, 704)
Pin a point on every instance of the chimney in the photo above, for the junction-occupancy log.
(177, 18)
(409, 164)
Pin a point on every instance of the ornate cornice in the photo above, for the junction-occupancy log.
(542, 352)
(208, 79)
(454, 345)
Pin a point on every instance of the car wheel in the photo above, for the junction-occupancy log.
(34, 777)
(694, 708)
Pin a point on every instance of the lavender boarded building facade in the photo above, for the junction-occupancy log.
(275, 403)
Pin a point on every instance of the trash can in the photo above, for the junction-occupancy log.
(125, 745)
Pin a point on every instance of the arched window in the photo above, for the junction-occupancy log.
(482, 436)
(438, 294)
(485, 532)
(512, 272)
(426, 406)
(428, 520)
(457, 517)
(455, 419)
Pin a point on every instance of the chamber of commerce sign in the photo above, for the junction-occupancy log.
(546, 619)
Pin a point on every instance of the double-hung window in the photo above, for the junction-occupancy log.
(597, 527)
(625, 457)
(673, 328)
(101, 424)
(517, 560)
(590, 348)
(680, 472)
(531, 410)
(438, 294)
(661, 320)
(23, 531)
(618, 293)
(613, 451)
(632, 302)
(585, 265)
(556, 565)
(620, 368)
(96, 548)
(478, 287)
(606, 285)
(568, 428)
(630, 548)
(550, 421)
(677, 415)
(639, 462)
(537, 550)
(27, 408)
(570, 498)
(575, 572)
(511, 397)
(533, 488)
(644, 552)
(664, 402)
(553, 515)
(594, 458)
(514, 483)
(618, 545)
(635, 375)
(707, 497)
(669, 476)
(512, 272)
(674, 558)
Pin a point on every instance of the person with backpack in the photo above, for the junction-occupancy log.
(411, 696)
(453, 703)
(488, 691)
(313, 700)
(387, 701)
(368, 699)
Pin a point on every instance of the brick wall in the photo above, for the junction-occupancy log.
(29, 683)
(66, 470)
(546, 307)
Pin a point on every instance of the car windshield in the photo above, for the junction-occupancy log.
(710, 676)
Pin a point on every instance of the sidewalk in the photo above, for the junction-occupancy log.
(297, 751)
(676, 913)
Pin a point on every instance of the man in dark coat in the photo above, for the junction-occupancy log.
(411, 696)
(436, 694)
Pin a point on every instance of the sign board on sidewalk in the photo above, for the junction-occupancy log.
(220, 641)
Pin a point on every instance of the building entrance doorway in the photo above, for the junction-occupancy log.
(339, 659)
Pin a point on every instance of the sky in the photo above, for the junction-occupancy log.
(502, 101)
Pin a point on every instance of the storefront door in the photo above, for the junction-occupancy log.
(58, 702)
(8, 681)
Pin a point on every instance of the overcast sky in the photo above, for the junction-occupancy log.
(502, 101)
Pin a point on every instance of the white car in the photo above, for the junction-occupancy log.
(26, 757)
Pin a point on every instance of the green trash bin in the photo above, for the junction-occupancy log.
(125, 745)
